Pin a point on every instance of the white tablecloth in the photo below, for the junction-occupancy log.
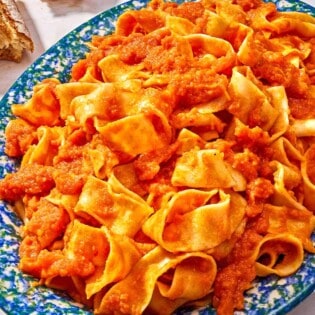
(48, 21)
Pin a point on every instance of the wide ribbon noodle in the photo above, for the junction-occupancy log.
(177, 163)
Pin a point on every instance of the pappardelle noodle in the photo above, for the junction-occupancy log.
(177, 165)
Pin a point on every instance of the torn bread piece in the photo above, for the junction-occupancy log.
(14, 35)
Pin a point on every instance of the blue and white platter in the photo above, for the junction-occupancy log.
(271, 295)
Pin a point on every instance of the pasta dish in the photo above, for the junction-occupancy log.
(177, 163)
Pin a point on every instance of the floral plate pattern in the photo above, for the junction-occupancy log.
(270, 295)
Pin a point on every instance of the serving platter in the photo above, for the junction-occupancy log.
(270, 295)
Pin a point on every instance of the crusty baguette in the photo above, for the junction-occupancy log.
(14, 35)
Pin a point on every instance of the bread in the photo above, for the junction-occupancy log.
(14, 35)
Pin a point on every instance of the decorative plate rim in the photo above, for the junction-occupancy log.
(15, 286)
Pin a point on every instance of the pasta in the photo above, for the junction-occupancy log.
(177, 164)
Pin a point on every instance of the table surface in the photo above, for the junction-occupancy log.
(50, 20)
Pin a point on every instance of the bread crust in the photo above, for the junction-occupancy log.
(14, 35)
